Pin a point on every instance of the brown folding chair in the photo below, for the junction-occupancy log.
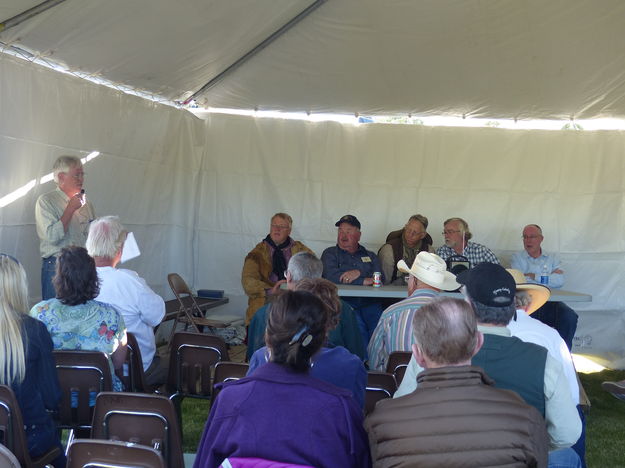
(88, 453)
(139, 418)
(189, 312)
(82, 375)
(192, 357)
(380, 385)
(397, 364)
(12, 434)
(131, 374)
(226, 371)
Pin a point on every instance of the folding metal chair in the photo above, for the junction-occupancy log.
(142, 419)
(380, 385)
(131, 374)
(397, 364)
(12, 435)
(88, 453)
(82, 375)
(226, 371)
(189, 312)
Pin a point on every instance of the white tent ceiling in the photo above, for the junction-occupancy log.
(555, 59)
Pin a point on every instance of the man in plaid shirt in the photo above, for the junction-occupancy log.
(457, 235)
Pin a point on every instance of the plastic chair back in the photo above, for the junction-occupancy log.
(132, 374)
(89, 453)
(397, 364)
(226, 371)
(142, 419)
(12, 435)
(380, 385)
(7, 459)
(82, 375)
(191, 360)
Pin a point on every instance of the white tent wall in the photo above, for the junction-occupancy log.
(147, 172)
(199, 195)
(568, 182)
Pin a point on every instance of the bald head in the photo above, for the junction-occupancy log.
(446, 333)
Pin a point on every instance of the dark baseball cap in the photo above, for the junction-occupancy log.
(349, 219)
(489, 284)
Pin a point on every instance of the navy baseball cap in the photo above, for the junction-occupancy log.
(489, 284)
(349, 219)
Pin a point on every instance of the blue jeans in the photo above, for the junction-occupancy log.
(561, 317)
(48, 269)
(368, 312)
(580, 445)
(564, 458)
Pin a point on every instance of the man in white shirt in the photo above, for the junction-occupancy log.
(528, 298)
(141, 307)
(539, 266)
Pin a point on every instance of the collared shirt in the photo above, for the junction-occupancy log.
(52, 236)
(530, 330)
(337, 261)
(563, 423)
(141, 307)
(525, 263)
(475, 253)
(394, 330)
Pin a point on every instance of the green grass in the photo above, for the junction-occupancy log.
(194, 416)
(605, 422)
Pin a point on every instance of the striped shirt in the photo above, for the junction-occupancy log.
(394, 330)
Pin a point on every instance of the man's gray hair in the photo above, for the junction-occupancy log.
(106, 237)
(63, 164)
(422, 219)
(522, 299)
(464, 226)
(304, 265)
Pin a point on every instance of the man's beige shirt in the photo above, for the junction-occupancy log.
(52, 237)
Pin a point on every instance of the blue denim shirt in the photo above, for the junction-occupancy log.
(337, 261)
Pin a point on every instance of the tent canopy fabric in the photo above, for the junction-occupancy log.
(561, 59)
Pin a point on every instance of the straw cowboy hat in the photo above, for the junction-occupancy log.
(432, 270)
(539, 293)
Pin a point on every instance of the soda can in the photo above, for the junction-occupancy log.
(377, 279)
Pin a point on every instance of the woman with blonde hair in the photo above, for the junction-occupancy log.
(26, 362)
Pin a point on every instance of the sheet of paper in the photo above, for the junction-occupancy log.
(131, 249)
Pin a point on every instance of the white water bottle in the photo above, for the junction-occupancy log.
(544, 276)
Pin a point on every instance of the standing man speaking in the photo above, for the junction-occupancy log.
(62, 216)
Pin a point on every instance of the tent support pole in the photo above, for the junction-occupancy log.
(275, 35)
(25, 15)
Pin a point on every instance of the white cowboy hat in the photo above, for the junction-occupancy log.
(432, 270)
(539, 293)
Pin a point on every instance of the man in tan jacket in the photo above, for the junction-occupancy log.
(265, 266)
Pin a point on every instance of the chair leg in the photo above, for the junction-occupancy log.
(176, 399)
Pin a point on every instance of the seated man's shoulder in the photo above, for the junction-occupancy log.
(257, 251)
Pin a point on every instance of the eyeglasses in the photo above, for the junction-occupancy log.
(415, 233)
(279, 226)
(448, 232)
(80, 175)
(529, 237)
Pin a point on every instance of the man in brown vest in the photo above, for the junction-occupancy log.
(404, 244)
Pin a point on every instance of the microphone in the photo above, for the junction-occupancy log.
(83, 200)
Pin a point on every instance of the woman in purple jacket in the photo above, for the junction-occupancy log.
(280, 412)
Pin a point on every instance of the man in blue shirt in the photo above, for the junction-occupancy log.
(534, 263)
(348, 262)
